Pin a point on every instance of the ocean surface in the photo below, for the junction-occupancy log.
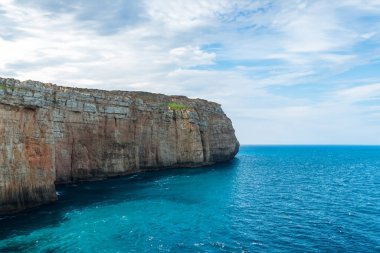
(268, 199)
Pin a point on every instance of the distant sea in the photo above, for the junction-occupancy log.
(268, 199)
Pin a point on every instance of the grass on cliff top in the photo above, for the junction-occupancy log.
(176, 106)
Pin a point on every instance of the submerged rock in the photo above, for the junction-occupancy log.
(51, 134)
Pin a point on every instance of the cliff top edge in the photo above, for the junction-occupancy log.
(37, 85)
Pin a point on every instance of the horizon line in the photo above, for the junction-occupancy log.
(304, 144)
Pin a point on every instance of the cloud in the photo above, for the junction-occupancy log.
(281, 70)
(103, 17)
(190, 56)
(360, 93)
(7, 27)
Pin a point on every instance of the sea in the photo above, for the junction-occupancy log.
(267, 199)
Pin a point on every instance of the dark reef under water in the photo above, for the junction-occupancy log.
(269, 198)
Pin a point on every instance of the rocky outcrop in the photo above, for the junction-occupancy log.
(51, 134)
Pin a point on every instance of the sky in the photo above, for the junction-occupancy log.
(285, 72)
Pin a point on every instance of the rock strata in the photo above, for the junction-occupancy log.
(51, 134)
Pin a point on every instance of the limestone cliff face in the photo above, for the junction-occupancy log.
(51, 134)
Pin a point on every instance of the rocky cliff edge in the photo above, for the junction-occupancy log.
(51, 134)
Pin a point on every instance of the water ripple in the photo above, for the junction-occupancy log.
(282, 199)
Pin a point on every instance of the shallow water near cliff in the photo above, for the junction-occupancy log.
(269, 198)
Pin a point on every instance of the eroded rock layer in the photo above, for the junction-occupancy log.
(51, 134)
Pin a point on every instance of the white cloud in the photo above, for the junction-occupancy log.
(359, 94)
(315, 29)
(164, 46)
(183, 15)
(190, 56)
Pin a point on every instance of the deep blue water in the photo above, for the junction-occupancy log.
(268, 199)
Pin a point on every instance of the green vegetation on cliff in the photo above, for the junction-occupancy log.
(176, 106)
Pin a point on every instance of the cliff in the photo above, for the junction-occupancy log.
(51, 134)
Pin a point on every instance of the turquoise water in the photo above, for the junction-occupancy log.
(268, 199)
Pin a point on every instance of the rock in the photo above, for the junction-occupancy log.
(51, 134)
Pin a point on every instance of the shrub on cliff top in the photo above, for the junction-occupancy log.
(176, 106)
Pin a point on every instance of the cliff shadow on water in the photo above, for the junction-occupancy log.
(143, 186)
